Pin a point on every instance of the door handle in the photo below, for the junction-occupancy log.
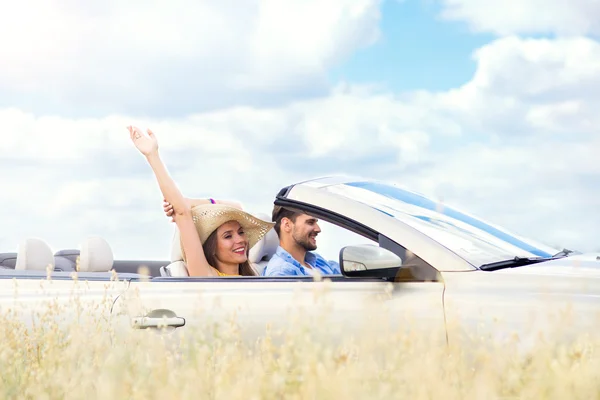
(158, 319)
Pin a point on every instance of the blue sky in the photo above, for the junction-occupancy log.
(417, 50)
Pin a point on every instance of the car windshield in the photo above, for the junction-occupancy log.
(471, 238)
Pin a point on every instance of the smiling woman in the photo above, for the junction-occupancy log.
(215, 238)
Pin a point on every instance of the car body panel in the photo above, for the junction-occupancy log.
(71, 298)
(345, 305)
(557, 299)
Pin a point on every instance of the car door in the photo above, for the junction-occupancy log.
(253, 308)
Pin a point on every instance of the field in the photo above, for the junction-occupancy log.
(92, 358)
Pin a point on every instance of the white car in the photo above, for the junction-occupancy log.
(420, 261)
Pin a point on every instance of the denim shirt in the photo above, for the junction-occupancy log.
(283, 264)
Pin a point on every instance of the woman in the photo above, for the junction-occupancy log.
(215, 238)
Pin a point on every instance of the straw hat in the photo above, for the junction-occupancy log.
(208, 217)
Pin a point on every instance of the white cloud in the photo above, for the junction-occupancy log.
(564, 17)
(527, 86)
(528, 157)
(543, 187)
(515, 145)
(88, 178)
(530, 67)
(173, 58)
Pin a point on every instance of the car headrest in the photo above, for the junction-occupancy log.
(96, 255)
(34, 254)
(265, 247)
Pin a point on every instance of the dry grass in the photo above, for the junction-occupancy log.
(91, 357)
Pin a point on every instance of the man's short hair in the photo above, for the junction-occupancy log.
(279, 213)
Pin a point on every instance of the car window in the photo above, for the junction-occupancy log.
(332, 238)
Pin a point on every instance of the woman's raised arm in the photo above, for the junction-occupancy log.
(195, 259)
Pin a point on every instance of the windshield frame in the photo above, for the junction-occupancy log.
(471, 238)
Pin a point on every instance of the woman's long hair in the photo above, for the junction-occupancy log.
(210, 250)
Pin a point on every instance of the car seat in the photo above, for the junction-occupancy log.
(34, 254)
(95, 255)
(262, 251)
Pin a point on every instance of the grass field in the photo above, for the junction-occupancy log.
(94, 359)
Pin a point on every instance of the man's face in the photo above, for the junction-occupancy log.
(305, 230)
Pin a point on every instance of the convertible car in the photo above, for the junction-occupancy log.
(451, 273)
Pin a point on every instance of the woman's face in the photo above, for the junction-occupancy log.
(232, 243)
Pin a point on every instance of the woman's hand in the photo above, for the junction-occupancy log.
(168, 207)
(170, 211)
(146, 144)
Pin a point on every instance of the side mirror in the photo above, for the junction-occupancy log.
(367, 260)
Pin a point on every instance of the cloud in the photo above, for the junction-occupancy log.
(563, 17)
(545, 189)
(515, 145)
(530, 86)
(176, 58)
(527, 158)
(88, 178)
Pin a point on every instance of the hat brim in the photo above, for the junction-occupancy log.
(209, 217)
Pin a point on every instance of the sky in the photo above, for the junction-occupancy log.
(488, 106)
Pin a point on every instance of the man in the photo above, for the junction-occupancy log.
(297, 239)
